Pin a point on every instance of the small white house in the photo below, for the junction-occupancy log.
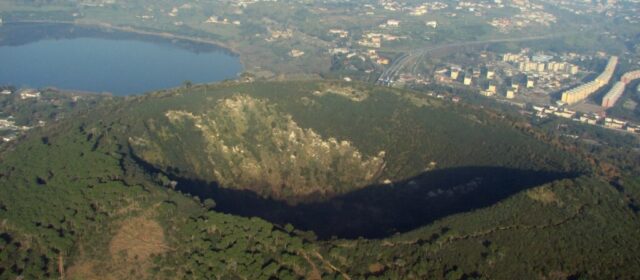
(296, 53)
(393, 23)
(28, 94)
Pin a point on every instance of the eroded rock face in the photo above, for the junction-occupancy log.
(245, 143)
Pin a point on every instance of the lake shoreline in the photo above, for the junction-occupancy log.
(133, 30)
(200, 60)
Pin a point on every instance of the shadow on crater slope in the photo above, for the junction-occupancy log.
(379, 211)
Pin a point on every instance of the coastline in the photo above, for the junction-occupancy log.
(134, 30)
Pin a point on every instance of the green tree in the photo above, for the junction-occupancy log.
(209, 203)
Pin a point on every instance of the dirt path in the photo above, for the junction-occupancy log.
(327, 263)
(314, 274)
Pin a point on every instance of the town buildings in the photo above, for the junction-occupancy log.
(580, 93)
(29, 93)
(610, 99)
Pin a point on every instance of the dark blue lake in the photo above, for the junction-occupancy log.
(69, 57)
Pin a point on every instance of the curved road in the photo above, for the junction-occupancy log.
(415, 55)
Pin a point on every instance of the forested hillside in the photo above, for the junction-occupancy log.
(308, 180)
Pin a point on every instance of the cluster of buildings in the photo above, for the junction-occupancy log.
(10, 124)
(418, 79)
(371, 54)
(610, 99)
(279, 34)
(13, 123)
(534, 18)
(614, 123)
(476, 77)
(371, 40)
(591, 119)
(296, 53)
(374, 40)
(8, 128)
(96, 3)
(531, 14)
(390, 23)
(341, 33)
(175, 10)
(223, 21)
(468, 78)
(419, 10)
(540, 64)
(23, 94)
(246, 3)
(478, 8)
(633, 17)
(584, 7)
(29, 94)
(541, 67)
(524, 76)
(579, 93)
(543, 112)
(621, 125)
(491, 91)
(544, 73)
(391, 5)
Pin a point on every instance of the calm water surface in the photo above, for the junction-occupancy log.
(120, 66)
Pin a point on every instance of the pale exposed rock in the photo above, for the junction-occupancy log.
(266, 152)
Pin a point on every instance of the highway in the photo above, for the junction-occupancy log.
(416, 55)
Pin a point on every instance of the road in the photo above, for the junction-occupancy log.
(416, 55)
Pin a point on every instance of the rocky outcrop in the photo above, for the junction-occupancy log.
(246, 143)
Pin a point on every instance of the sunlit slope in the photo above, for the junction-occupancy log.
(297, 140)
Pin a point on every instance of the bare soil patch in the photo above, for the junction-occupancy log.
(130, 251)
